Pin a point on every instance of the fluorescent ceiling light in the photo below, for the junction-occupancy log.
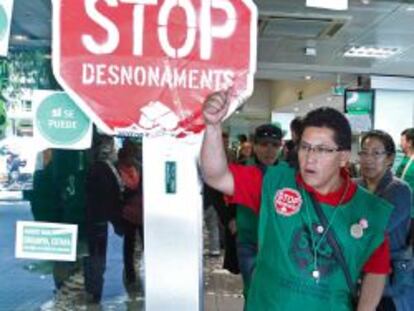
(325, 4)
(20, 38)
(371, 52)
(310, 51)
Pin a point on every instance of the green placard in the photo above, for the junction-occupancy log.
(46, 240)
(60, 121)
(4, 22)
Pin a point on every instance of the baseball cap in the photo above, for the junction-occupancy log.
(268, 132)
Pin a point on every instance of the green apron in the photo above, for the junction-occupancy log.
(287, 230)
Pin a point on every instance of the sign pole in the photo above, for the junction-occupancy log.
(173, 224)
(145, 67)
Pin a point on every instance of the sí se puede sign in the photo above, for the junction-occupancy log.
(146, 65)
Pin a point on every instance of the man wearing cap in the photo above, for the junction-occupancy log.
(267, 142)
(298, 267)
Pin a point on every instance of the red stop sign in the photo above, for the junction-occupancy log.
(146, 65)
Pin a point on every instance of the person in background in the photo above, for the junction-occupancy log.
(212, 201)
(296, 129)
(296, 268)
(242, 138)
(267, 142)
(245, 153)
(132, 151)
(230, 153)
(405, 170)
(290, 152)
(103, 204)
(131, 211)
(58, 196)
(376, 158)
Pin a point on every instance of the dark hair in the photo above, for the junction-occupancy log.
(382, 136)
(296, 125)
(409, 135)
(332, 119)
(242, 138)
(290, 145)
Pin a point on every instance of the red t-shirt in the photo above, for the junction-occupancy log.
(248, 188)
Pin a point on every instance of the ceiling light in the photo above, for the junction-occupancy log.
(310, 51)
(331, 5)
(20, 37)
(371, 51)
(308, 77)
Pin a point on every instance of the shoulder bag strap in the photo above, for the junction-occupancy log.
(406, 167)
(333, 242)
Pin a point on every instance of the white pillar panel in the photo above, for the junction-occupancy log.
(284, 119)
(172, 225)
(394, 112)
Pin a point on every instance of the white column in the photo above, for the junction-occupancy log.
(172, 225)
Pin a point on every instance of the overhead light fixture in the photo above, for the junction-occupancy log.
(20, 38)
(330, 5)
(371, 51)
(308, 77)
(310, 51)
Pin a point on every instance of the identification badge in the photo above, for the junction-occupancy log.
(357, 231)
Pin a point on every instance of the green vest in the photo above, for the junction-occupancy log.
(401, 167)
(247, 221)
(247, 225)
(283, 278)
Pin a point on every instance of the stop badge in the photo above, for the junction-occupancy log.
(146, 65)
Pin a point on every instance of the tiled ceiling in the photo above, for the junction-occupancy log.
(290, 28)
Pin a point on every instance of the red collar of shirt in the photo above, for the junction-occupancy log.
(334, 197)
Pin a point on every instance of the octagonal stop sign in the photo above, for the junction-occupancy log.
(147, 65)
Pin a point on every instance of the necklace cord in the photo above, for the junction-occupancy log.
(316, 245)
